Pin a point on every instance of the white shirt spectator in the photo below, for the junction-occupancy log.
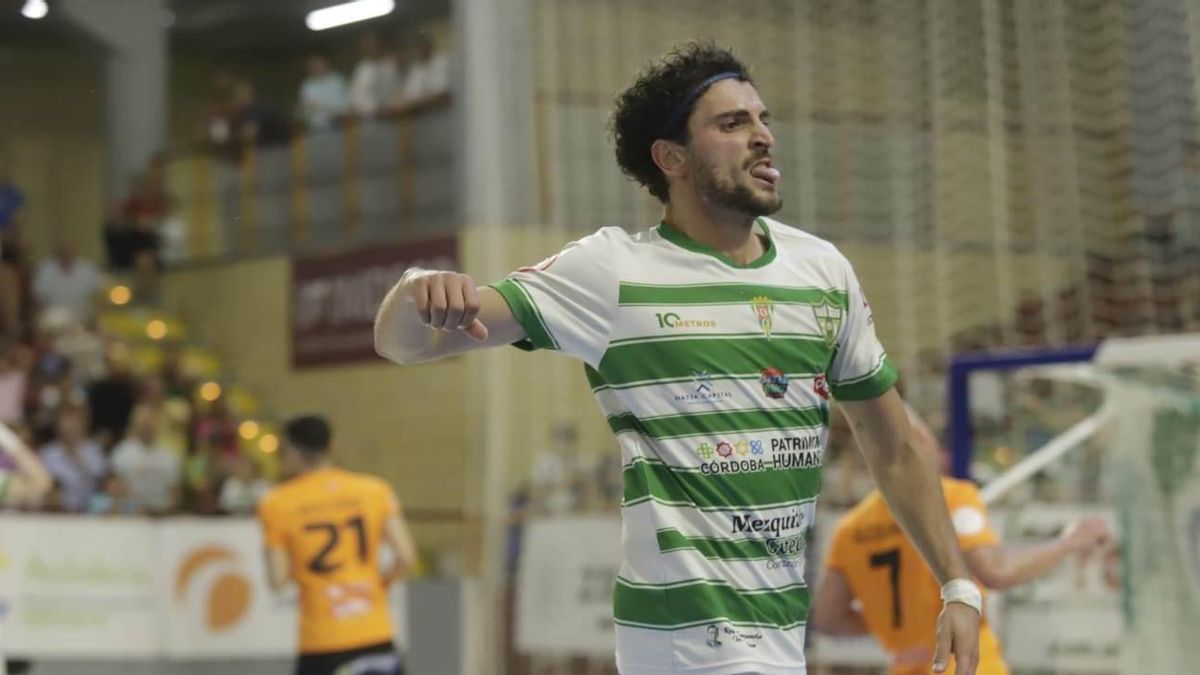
(427, 79)
(240, 497)
(151, 472)
(375, 83)
(72, 286)
(322, 99)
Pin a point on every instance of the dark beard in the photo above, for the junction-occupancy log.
(737, 197)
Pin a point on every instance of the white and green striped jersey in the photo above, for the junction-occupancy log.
(715, 378)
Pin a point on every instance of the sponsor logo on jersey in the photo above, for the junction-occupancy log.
(763, 312)
(774, 382)
(676, 322)
(704, 392)
(789, 536)
(720, 633)
(829, 320)
(750, 456)
(821, 386)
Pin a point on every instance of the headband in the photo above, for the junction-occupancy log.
(680, 112)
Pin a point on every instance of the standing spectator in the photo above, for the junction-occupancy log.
(76, 461)
(112, 397)
(376, 80)
(146, 466)
(243, 489)
(428, 75)
(324, 96)
(67, 282)
(255, 122)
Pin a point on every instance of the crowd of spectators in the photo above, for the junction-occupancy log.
(118, 434)
(388, 80)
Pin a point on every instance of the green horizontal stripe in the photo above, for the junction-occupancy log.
(678, 358)
(726, 294)
(870, 387)
(715, 549)
(597, 383)
(720, 422)
(704, 601)
(645, 480)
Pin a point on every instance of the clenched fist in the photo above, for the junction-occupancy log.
(445, 301)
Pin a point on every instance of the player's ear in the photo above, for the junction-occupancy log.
(669, 157)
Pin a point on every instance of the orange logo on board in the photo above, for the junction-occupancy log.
(229, 596)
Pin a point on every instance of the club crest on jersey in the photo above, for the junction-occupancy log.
(763, 312)
(829, 320)
(821, 386)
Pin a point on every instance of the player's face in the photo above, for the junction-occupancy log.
(290, 461)
(729, 150)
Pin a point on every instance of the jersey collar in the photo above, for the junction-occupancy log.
(681, 240)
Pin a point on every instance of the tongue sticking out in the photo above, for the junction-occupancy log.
(767, 173)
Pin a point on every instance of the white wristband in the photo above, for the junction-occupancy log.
(963, 591)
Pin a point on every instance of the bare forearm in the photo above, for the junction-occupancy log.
(1020, 565)
(399, 334)
(914, 494)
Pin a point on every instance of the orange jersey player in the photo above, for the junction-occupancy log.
(875, 581)
(323, 529)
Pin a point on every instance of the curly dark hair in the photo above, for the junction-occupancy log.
(641, 112)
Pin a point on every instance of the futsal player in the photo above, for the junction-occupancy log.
(713, 342)
(323, 529)
(876, 583)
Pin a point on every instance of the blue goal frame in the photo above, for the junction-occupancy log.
(958, 391)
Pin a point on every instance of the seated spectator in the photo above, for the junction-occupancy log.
(243, 488)
(324, 97)
(217, 426)
(76, 461)
(113, 500)
(82, 347)
(428, 75)
(14, 376)
(255, 122)
(149, 469)
(171, 412)
(66, 282)
(201, 477)
(376, 82)
(52, 386)
(112, 397)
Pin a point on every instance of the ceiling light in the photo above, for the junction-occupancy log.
(35, 9)
(349, 12)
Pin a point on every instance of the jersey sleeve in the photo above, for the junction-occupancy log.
(970, 518)
(269, 516)
(567, 302)
(389, 504)
(860, 369)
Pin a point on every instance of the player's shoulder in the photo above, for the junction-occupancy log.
(957, 489)
(790, 238)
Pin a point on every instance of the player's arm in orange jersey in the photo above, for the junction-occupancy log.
(404, 552)
(1001, 567)
(913, 491)
(279, 572)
